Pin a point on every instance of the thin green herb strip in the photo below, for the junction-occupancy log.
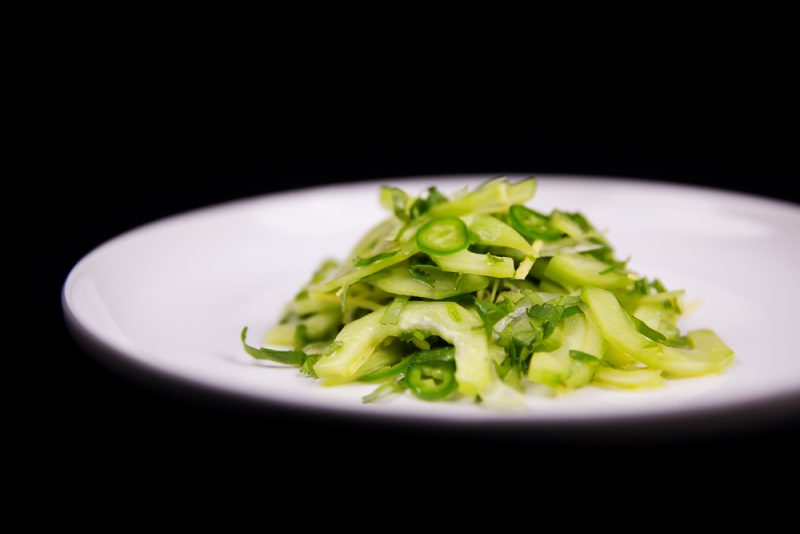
(288, 357)
(642, 327)
(363, 262)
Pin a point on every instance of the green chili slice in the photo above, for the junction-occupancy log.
(532, 224)
(432, 381)
(443, 236)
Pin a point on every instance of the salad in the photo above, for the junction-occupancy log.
(477, 296)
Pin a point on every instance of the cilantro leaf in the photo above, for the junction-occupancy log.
(308, 365)
(489, 313)
(422, 206)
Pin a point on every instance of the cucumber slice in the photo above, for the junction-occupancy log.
(573, 364)
(459, 326)
(481, 264)
(491, 231)
(707, 352)
(577, 270)
(562, 222)
(553, 368)
(426, 281)
(629, 378)
(619, 359)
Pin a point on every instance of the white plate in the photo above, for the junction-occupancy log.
(171, 297)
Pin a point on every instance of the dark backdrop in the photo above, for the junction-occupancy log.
(136, 156)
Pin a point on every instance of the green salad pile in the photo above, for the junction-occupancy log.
(477, 296)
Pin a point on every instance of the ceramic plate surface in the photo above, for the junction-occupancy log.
(171, 297)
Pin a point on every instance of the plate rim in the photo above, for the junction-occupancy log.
(778, 406)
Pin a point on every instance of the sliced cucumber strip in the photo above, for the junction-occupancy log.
(427, 281)
(577, 270)
(481, 264)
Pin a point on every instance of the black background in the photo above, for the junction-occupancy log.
(146, 148)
